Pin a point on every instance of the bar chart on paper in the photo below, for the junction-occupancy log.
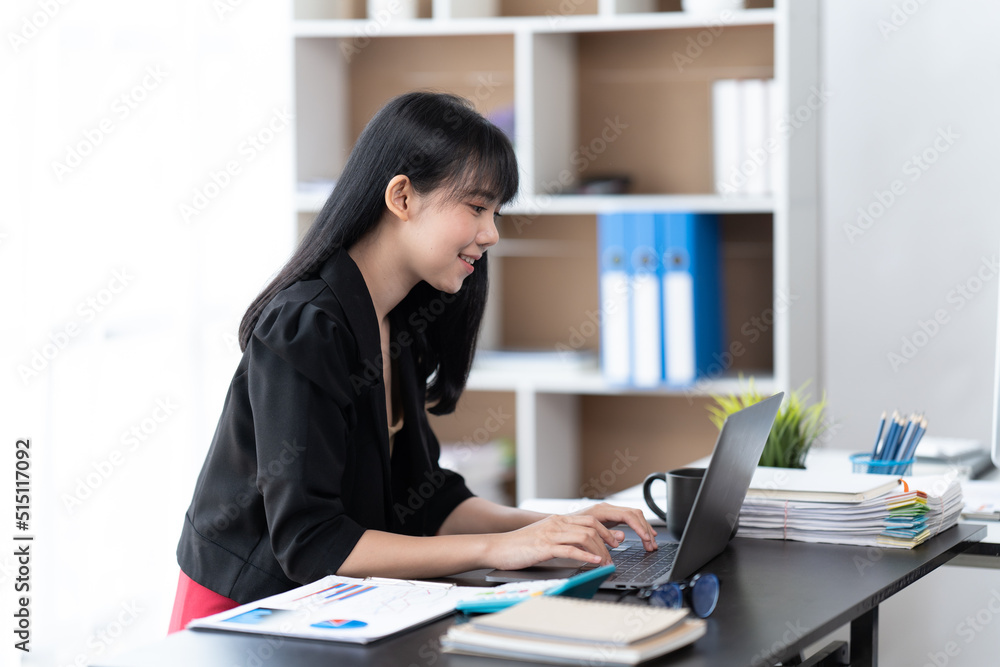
(342, 609)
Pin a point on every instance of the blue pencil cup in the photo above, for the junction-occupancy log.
(863, 463)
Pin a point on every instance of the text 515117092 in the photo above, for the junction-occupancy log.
(22, 543)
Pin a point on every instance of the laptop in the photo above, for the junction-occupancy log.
(711, 524)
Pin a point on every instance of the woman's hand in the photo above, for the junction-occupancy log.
(612, 515)
(581, 536)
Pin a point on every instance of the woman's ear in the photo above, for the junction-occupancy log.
(399, 196)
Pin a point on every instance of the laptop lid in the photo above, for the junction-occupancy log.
(717, 506)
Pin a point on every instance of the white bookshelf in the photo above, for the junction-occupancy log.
(542, 65)
(310, 203)
(499, 25)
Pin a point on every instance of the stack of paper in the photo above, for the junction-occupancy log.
(570, 630)
(916, 515)
(864, 510)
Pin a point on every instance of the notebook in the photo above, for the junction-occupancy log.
(569, 630)
(818, 485)
(710, 526)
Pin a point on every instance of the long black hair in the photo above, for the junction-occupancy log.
(439, 141)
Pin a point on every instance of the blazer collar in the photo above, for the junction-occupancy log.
(344, 278)
(347, 284)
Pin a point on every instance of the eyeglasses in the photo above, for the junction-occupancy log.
(700, 593)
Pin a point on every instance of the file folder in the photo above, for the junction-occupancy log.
(727, 136)
(688, 245)
(614, 298)
(646, 319)
(754, 154)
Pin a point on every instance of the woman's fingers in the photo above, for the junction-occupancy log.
(583, 536)
(633, 518)
(607, 536)
(577, 537)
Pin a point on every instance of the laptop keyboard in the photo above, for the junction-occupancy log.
(634, 563)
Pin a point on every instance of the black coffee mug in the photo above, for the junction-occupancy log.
(683, 485)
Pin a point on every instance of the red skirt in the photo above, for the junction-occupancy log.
(195, 601)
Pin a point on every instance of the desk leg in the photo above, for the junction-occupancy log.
(864, 639)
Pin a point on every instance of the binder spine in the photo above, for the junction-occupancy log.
(692, 304)
(706, 267)
(614, 298)
(647, 357)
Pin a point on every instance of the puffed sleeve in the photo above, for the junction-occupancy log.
(299, 391)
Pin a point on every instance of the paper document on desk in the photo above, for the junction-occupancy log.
(343, 609)
(982, 500)
(902, 518)
(818, 486)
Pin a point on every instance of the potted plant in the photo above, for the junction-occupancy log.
(797, 426)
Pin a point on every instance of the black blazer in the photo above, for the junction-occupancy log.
(299, 466)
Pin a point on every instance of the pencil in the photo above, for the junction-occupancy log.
(921, 429)
(878, 436)
(906, 443)
(904, 439)
(890, 437)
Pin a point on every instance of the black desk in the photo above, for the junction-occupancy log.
(777, 598)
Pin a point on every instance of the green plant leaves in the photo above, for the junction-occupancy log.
(795, 429)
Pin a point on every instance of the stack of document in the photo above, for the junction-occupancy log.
(863, 510)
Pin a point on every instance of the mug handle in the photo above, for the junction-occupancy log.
(649, 496)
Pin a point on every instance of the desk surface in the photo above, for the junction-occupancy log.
(776, 598)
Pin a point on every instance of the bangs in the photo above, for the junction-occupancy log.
(486, 167)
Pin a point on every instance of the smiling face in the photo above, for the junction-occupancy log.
(447, 235)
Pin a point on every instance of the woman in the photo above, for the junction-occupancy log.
(323, 461)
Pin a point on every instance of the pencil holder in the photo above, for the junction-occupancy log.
(863, 463)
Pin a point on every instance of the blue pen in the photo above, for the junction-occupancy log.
(878, 436)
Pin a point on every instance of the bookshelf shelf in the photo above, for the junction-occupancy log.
(499, 25)
(593, 204)
(549, 378)
(563, 79)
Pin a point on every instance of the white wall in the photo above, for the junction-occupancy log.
(120, 306)
(896, 96)
(894, 92)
